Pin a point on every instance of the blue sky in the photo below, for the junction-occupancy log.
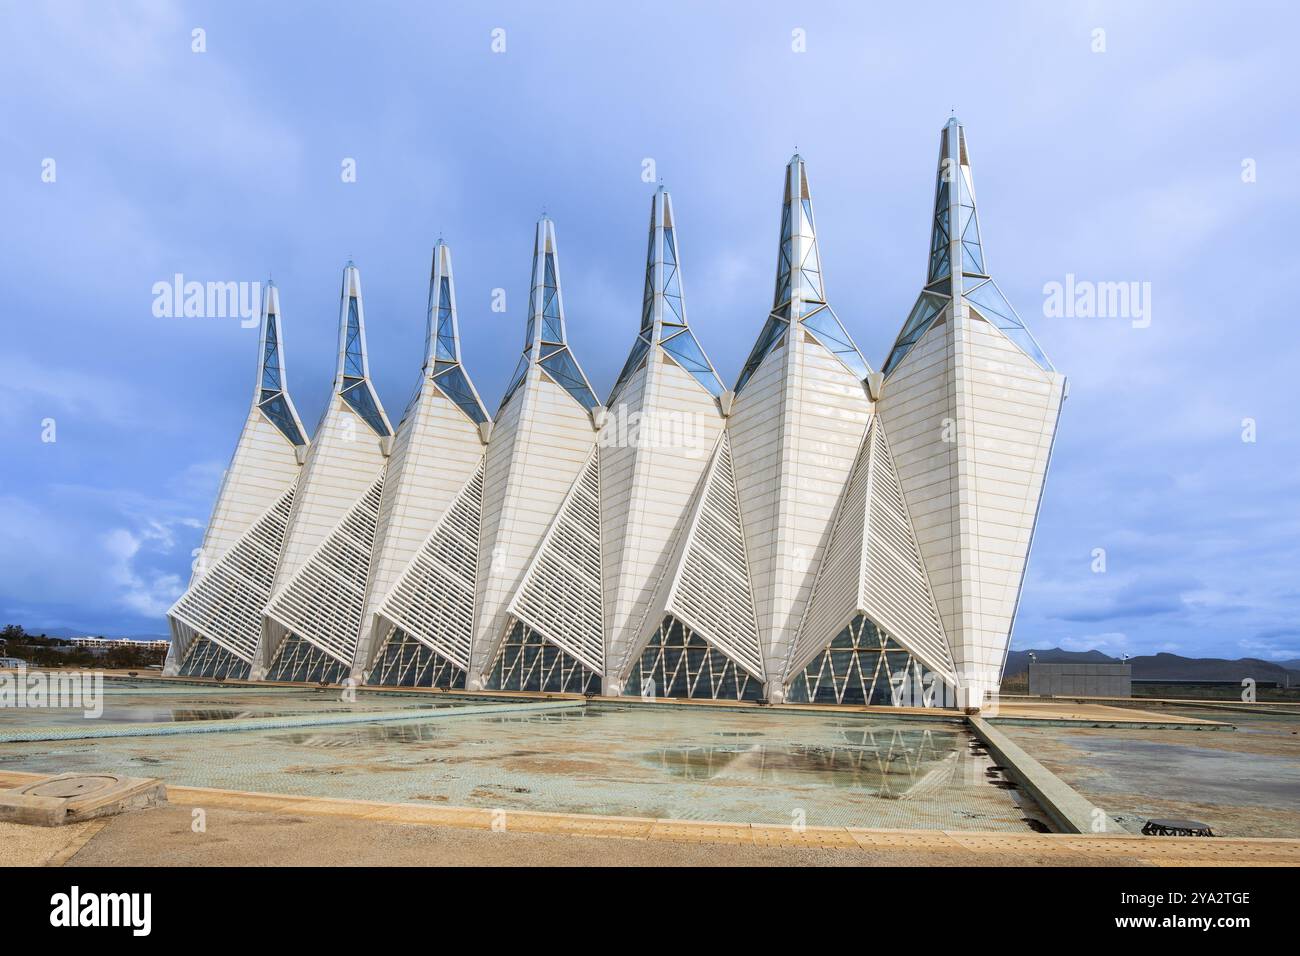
(1123, 165)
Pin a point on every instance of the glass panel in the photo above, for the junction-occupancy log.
(528, 662)
(353, 361)
(688, 353)
(362, 401)
(406, 662)
(856, 669)
(456, 386)
(992, 305)
(446, 324)
(639, 348)
(677, 663)
(271, 360)
(827, 328)
(561, 367)
(928, 305)
(552, 322)
(521, 372)
(300, 660)
(277, 410)
(772, 331)
(206, 658)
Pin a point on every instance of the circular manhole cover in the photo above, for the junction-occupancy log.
(71, 786)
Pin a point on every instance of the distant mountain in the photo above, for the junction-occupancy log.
(1169, 666)
(1018, 661)
(1173, 667)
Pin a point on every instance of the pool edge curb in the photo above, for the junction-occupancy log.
(1069, 810)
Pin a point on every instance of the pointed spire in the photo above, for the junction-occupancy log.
(955, 248)
(352, 378)
(800, 293)
(663, 305)
(545, 302)
(441, 332)
(272, 393)
(957, 271)
(545, 342)
(798, 267)
(442, 339)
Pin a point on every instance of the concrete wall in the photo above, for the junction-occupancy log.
(1080, 680)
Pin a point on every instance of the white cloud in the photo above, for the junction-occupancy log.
(1110, 642)
(147, 593)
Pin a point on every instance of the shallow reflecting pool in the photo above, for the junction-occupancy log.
(656, 761)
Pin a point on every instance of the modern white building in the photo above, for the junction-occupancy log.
(217, 623)
(109, 643)
(820, 532)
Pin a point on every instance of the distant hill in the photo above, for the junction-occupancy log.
(1173, 667)
(1018, 661)
(1169, 666)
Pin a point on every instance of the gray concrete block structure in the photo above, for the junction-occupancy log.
(1080, 679)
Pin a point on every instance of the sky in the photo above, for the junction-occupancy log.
(1150, 143)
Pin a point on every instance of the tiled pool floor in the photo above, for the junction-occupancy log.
(1242, 783)
(688, 763)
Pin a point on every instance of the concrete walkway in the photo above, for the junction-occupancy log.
(1087, 713)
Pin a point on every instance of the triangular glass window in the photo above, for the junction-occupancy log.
(928, 305)
(276, 409)
(446, 324)
(521, 372)
(827, 328)
(271, 360)
(766, 339)
(362, 400)
(561, 367)
(552, 323)
(456, 386)
(353, 361)
(639, 348)
(691, 357)
(993, 306)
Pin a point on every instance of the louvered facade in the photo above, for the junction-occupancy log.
(819, 532)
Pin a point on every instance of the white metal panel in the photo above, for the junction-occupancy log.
(707, 581)
(653, 485)
(540, 443)
(895, 590)
(322, 602)
(263, 466)
(1009, 409)
(436, 450)
(224, 604)
(560, 596)
(433, 599)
